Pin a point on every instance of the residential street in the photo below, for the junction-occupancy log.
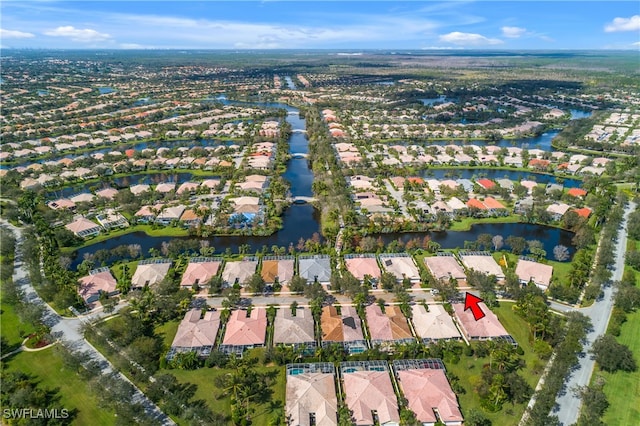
(568, 404)
(69, 330)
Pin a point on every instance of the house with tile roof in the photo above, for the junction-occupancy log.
(388, 326)
(311, 395)
(245, 331)
(277, 268)
(362, 265)
(196, 333)
(315, 268)
(200, 270)
(99, 281)
(433, 324)
(294, 328)
(344, 328)
(486, 328)
(401, 265)
(426, 388)
(535, 272)
(369, 393)
(150, 272)
(83, 227)
(445, 267)
(239, 271)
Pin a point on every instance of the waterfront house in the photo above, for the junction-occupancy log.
(401, 265)
(537, 273)
(239, 271)
(150, 272)
(362, 265)
(83, 227)
(99, 281)
(278, 268)
(482, 262)
(315, 268)
(445, 267)
(200, 270)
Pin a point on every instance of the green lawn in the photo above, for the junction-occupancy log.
(465, 224)
(219, 403)
(622, 388)
(11, 328)
(74, 393)
(469, 370)
(168, 331)
(561, 270)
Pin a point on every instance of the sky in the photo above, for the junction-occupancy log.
(354, 25)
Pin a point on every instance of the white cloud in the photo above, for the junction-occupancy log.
(14, 34)
(623, 24)
(513, 32)
(77, 34)
(469, 39)
(133, 46)
(637, 43)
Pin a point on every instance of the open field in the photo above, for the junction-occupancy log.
(466, 223)
(216, 399)
(12, 329)
(47, 368)
(622, 388)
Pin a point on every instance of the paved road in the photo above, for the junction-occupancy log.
(568, 404)
(69, 330)
(397, 194)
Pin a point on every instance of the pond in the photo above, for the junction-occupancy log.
(549, 236)
(494, 174)
(439, 100)
(302, 221)
(577, 114)
(542, 141)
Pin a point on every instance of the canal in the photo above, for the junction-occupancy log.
(302, 221)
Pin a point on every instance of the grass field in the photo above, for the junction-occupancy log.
(11, 328)
(622, 388)
(469, 370)
(466, 223)
(74, 393)
(220, 403)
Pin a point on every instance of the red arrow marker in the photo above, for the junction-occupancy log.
(471, 302)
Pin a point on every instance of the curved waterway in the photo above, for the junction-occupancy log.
(303, 220)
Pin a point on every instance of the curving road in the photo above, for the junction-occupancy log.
(69, 330)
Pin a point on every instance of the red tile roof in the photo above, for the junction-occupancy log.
(474, 202)
(492, 203)
(485, 183)
(583, 212)
(577, 192)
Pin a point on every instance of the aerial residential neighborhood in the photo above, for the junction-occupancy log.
(308, 213)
